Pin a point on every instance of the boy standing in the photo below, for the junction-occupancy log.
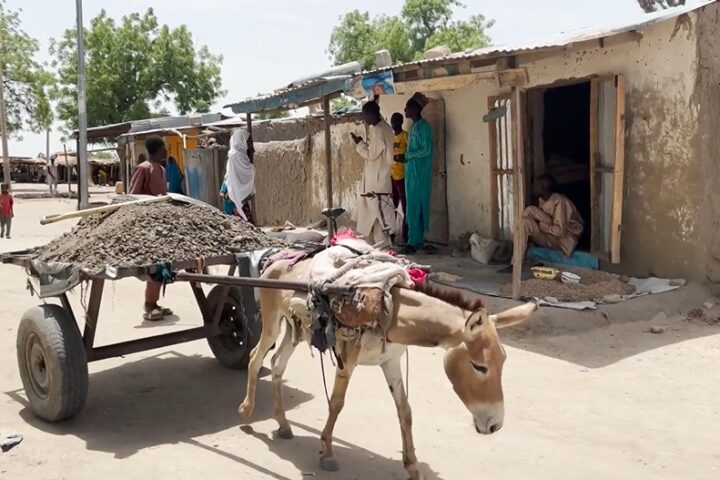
(397, 171)
(6, 211)
(149, 179)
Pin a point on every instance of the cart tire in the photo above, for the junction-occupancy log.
(52, 362)
(232, 349)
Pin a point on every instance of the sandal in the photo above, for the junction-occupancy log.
(154, 315)
(165, 311)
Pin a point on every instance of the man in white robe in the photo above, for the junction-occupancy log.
(240, 172)
(377, 151)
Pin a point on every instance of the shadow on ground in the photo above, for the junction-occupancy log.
(164, 399)
(612, 333)
(356, 463)
(172, 398)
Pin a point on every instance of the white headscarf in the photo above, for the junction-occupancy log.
(240, 172)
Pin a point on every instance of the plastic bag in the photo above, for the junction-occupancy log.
(482, 249)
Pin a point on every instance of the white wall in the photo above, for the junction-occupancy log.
(467, 155)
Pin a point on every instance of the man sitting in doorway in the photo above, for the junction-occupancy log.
(555, 222)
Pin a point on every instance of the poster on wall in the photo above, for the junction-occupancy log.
(380, 83)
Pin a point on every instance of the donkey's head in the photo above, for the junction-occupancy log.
(475, 366)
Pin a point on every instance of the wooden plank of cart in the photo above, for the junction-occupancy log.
(53, 352)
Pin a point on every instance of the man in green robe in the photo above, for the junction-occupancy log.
(418, 176)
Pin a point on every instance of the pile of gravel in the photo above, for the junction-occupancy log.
(142, 235)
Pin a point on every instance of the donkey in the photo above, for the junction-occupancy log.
(432, 317)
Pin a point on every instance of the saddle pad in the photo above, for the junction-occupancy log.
(363, 309)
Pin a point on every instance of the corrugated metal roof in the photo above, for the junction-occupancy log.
(562, 40)
(295, 97)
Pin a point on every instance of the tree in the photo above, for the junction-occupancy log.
(424, 18)
(422, 24)
(650, 6)
(26, 82)
(135, 67)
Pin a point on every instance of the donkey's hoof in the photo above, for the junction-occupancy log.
(285, 433)
(246, 410)
(329, 464)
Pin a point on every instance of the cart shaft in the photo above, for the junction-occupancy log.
(255, 282)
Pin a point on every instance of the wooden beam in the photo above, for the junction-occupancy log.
(512, 77)
(443, 83)
(519, 240)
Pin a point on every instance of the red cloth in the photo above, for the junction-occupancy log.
(418, 276)
(342, 235)
(6, 205)
(148, 179)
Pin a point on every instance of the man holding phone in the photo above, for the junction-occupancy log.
(377, 151)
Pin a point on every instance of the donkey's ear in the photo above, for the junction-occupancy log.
(474, 324)
(514, 315)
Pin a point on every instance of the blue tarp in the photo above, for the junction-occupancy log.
(578, 258)
(294, 97)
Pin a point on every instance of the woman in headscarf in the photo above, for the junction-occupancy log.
(240, 173)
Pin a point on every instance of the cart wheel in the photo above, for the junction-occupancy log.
(232, 348)
(52, 362)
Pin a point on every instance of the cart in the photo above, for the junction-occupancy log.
(53, 353)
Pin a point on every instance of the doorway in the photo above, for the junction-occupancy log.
(576, 133)
(559, 145)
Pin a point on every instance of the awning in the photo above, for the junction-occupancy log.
(295, 97)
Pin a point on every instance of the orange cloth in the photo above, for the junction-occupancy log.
(397, 171)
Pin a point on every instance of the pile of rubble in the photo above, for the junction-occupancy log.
(140, 235)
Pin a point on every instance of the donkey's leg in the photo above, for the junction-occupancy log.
(337, 401)
(279, 363)
(270, 307)
(393, 375)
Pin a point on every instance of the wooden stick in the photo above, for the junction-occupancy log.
(107, 208)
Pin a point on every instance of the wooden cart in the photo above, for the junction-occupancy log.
(53, 353)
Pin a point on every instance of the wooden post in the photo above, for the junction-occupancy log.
(253, 208)
(7, 169)
(67, 167)
(328, 152)
(519, 241)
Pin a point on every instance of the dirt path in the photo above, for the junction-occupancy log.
(587, 397)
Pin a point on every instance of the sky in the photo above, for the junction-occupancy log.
(267, 44)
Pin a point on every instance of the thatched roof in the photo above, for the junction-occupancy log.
(71, 160)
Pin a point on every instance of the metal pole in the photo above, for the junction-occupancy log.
(328, 153)
(7, 170)
(82, 113)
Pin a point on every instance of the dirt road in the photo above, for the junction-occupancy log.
(587, 397)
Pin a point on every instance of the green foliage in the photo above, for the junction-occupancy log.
(133, 68)
(424, 18)
(462, 35)
(272, 115)
(422, 24)
(342, 103)
(26, 81)
(654, 5)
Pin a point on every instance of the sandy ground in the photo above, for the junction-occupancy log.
(588, 396)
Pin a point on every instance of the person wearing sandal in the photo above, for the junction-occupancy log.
(149, 179)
